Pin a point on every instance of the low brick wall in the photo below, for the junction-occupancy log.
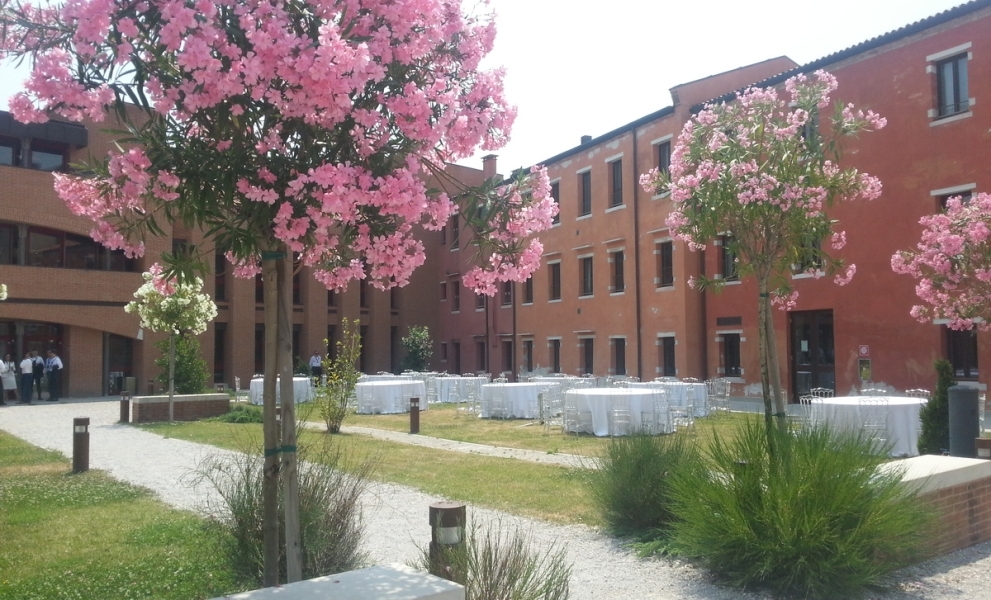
(189, 407)
(960, 490)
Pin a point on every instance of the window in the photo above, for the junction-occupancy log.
(507, 293)
(587, 346)
(666, 366)
(10, 151)
(44, 248)
(479, 301)
(809, 256)
(528, 355)
(507, 356)
(455, 296)
(961, 349)
(731, 354)
(443, 235)
(259, 347)
(8, 244)
(47, 157)
(665, 264)
(259, 292)
(585, 282)
(556, 196)
(219, 276)
(964, 199)
(528, 290)
(555, 280)
(456, 355)
(363, 293)
(951, 86)
(727, 259)
(443, 352)
(585, 193)
(297, 290)
(555, 350)
(364, 356)
(619, 356)
(618, 282)
(219, 351)
(480, 356)
(616, 183)
(663, 161)
(394, 298)
(443, 291)
(331, 342)
(455, 232)
(331, 298)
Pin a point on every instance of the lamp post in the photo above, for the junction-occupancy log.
(414, 415)
(125, 406)
(80, 444)
(447, 532)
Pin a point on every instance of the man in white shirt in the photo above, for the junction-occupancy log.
(53, 367)
(316, 365)
(27, 378)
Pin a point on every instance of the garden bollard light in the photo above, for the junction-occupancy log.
(151, 387)
(414, 415)
(447, 532)
(80, 444)
(125, 407)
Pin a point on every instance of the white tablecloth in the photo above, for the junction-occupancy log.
(902, 421)
(677, 392)
(389, 396)
(300, 387)
(458, 384)
(370, 378)
(598, 400)
(521, 396)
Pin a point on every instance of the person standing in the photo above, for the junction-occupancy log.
(8, 375)
(316, 366)
(27, 378)
(53, 367)
(39, 371)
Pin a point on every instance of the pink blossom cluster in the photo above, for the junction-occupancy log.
(331, 65)
(952, 263)
(162, 285)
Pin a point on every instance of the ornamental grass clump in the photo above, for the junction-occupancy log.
(329, 510)
(501, 564)
(632, 486)
(814, 518)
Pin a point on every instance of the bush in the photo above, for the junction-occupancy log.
(419, 348)
(632, 484)
(240, 413)
(329, 511)
(332, 399)
(934, 437)
(815, 520)
(191, 373)
(500, 565)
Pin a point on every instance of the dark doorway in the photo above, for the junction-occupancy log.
(812, 351)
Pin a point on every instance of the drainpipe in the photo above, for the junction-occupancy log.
(704, 321)
(636, 257)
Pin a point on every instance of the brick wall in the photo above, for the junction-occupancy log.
(156, 408)
(965, 514)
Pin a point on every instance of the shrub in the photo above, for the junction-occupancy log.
(191, 373)
(934, 437)
(419, 348)
(240, 413)
(814, 520)
(632, 484)
(501, 565)
(332, 399)
(329, 511)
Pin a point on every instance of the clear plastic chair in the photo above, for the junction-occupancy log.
(655, 418)
(684, 415)
(874, 416)
(499, 407)
(619, 415)
(821, 392)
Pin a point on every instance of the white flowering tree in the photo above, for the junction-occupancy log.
(178, 308)
(3, 292)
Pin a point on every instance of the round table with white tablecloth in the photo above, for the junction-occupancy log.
(902, 418)
(458, 385)
(301, 387)
(677, 392)
(521, 398)
(387, 397)
(384, 377)
(598, 401)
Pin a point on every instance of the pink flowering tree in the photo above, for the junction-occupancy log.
(952, 264)
(762, 170)
(286, 131)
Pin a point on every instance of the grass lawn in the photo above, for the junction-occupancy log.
(87, 536)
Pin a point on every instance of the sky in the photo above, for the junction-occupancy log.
(577, 67)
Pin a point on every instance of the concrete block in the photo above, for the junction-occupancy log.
(934, 473)
(385, 582)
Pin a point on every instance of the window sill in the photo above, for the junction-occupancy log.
(804, 275)
(660, 196)
(526, 303)
(951, 118)
(553, 300)
(623, 293)
(583, 217)
(615, 208)
(586, 296)
(455, 312)
(482, 309)
(731, 282)
(665, 288)
(454, 249)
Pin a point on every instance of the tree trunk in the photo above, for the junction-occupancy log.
(780, 410)
(171, 374)
(290, 479)
(763, 301)
(270, 483)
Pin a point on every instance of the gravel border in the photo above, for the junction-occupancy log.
(396, 516)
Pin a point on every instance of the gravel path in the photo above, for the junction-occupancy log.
(396, 516)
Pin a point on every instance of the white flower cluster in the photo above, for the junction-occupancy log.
(3, 292)
(184, 310)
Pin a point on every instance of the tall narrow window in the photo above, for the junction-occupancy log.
(666, 347)
(443, 291)
(616, 183)
(554, 273)
(961, 349)
(528, 290)
(556, 196)
(219, 351)
(507, 357)
(443, 235)
(364, 357)
(731, 354)
(619, 356)
(727, 258)
(219, 276)
(528, 355)
(588, 355)
(663, 162)
(455, 296)
(443, 352)
(456, 356)
(618, 279)
(479, 301)
(585, 282)
(480, 358)
(331, 342)
(363, 293)
(585, 193)
(455, 231)
(507, 293)
(665, 264)
(951, 85)
(555, 350)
